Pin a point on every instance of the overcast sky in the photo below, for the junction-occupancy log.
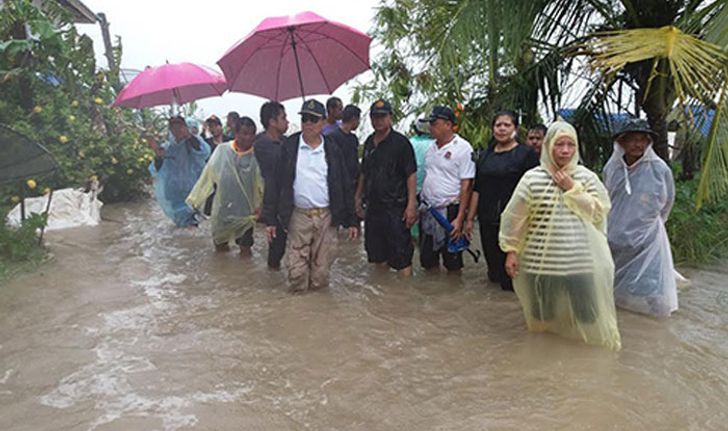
(155, 31)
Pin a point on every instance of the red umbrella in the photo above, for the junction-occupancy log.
(171, 84)
(292, 56)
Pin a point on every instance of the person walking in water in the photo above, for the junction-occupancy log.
(446, 188)
(233, 174)
(498, 171)
(554, 231)
(642, 191)
(388, 187)
(175, 170)
(267, 149)
(310, 195)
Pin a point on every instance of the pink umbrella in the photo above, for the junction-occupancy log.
(171, 84)
(292, 56)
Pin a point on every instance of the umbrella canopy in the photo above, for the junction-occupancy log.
(171, 84)
(294, 56)
(21, 158)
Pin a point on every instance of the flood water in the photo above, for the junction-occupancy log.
(136, 325)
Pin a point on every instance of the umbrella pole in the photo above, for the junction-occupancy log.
(298, 63)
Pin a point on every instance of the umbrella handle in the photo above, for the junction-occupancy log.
(291, 29)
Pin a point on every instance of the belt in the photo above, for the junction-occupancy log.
(311, 212)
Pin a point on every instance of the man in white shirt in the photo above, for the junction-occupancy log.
(449, 173)
(311, 194)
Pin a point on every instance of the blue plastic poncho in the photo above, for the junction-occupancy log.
(565, 270)
(642, 196)
(238, 186)
(420, 144)
(181, 167)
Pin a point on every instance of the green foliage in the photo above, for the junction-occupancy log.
(19, 246)
(697, 236)
(53, 93)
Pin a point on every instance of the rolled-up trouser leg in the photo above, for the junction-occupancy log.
(322, 250)
(298, 250)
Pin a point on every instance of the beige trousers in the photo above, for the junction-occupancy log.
(310, 249)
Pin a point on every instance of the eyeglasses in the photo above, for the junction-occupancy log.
(308, 118)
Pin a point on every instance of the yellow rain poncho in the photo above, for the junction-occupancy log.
(565, 270)
(238, 187)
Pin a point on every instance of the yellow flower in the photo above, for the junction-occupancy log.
(31, 183)
(15, 199)
(63, 139)
(93, 178)
(114, 161)
(37, 109)
(130, 171)
(74, 103)
(72, 118)
(81, 154)
(46, 190)
(98, 101)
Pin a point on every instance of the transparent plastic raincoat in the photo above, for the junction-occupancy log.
(642, 196)
(565, 270)
(181, 167)
(238, 187)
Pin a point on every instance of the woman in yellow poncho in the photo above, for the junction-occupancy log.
(233, 174)
(554, 233)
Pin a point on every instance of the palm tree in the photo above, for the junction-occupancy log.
(650, 56)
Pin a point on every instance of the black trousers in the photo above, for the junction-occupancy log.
(494, 256)
(277, 247)
(430, 258)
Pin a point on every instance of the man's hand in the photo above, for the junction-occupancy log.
(270, 233)
(359, 206)
(158, 151)
(563, 180)
(353, 232)
(410, 215)
(457, 229)
(468, 230)
(512, 264)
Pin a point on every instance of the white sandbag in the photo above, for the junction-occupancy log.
(69, 208)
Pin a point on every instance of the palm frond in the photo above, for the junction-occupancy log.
(714, 176)
(697, 70)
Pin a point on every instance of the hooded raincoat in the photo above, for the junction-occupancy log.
(239, 192)
(642, 196)
(173, 181)
(565, 270)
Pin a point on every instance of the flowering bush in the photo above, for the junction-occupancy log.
(53, 93)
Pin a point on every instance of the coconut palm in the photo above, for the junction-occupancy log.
(651, 56)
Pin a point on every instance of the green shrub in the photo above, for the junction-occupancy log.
(19, 246)
(697, 236)
(53, 93)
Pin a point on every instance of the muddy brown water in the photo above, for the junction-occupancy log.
(136, 325)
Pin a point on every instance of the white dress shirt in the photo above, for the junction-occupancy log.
(310, 186)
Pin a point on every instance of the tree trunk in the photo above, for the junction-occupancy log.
(657, 101)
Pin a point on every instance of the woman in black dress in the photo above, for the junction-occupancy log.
(498, 171)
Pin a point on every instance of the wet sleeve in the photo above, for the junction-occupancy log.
(271, 192)
(515, 218)
(589, 201)
(467, 166)
(409, 163)
(669, 184)
(202, 190)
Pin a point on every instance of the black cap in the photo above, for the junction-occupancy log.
(313, 107)
(442, 112)
(380, 106)
(634, 125)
